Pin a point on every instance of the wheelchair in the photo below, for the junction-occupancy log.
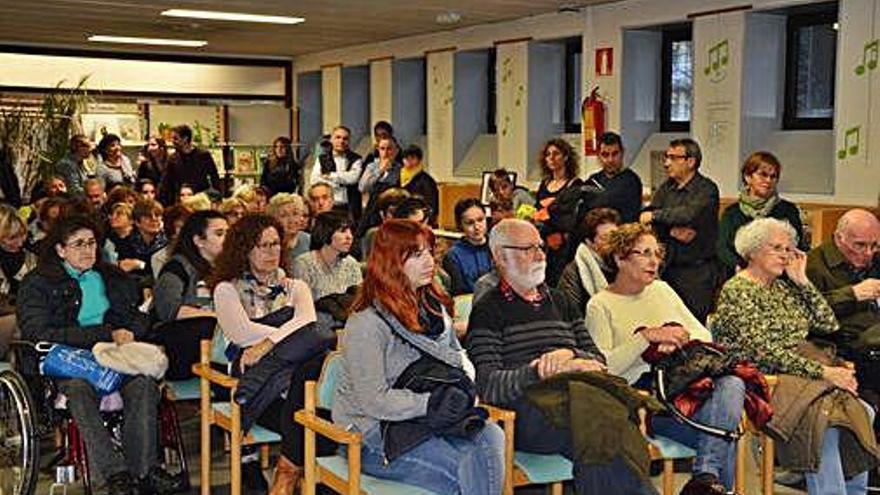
(51, 420)
(19, 443)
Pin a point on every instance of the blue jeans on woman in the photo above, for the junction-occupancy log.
(444, 465)
(723, 409)
(829, 480)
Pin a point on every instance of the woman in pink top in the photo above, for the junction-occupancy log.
(274, 344)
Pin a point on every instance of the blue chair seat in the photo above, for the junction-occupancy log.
(185, 389)
(543, 468)
(338, 465)
(258, 434)
(670, 449)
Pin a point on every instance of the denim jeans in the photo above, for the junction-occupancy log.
(829, 479)
(444, 465)
(723, 409)
(140, 394)
(535, 434)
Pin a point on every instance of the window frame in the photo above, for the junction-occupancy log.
(573, 46)
(671, 34)
(790, 121)
(492, 92)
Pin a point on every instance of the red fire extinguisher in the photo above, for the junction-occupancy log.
(592, 122)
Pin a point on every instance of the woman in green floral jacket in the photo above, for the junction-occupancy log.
(766, 311)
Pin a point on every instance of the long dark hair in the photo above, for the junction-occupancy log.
(195, 226)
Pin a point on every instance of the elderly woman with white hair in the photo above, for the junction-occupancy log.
(764, 315)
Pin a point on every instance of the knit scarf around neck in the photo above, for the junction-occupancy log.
(257, 298)
(755, 207)
(407, 174)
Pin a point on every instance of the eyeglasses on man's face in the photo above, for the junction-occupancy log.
(531, 250)
(671, 157)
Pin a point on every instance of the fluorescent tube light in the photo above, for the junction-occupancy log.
(147, 41)
(232, 16)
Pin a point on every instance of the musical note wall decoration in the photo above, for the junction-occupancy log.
(851, 143)
(870, 54)
(719, 54)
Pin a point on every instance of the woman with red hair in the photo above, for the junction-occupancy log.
(406, 383)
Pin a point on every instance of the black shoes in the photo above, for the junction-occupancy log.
(252, 480)
(705, 484)
(159, 482)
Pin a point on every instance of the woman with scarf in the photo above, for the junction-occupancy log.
(267, 318)
(588, 273)
(401, 320)
(759, 199)
(415, 179)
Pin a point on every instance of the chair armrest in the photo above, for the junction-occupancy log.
(320, 425)
(497, 414)
(206, 372)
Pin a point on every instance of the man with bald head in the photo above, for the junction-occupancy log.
(846, 269)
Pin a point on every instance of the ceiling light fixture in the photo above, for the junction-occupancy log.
(147, 41)
(232, 16)
(448, 18)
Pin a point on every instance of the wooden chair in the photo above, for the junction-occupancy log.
(767, 446)
(226, 415)
(343, 475)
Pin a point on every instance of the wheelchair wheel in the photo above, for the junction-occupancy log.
(19, 447)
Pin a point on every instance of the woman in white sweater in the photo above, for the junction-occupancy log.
(635, 311)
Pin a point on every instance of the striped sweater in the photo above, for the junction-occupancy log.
(505, 333)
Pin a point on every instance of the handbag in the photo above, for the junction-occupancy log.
(63, 361)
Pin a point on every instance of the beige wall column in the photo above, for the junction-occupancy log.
(512, 105)
(381, 83)
(331, 96)
(440, 85)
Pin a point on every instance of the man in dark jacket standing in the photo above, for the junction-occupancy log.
(189, 165)
(684, 213)
(621, 188)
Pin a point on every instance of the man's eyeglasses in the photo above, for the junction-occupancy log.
(647, 254)
(670, 157)
(863, 246)
(532, 250)
(82, 244)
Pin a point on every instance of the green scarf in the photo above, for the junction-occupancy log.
(755, 207)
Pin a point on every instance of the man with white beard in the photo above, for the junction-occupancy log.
(521, 332)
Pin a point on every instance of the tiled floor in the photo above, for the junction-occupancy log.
(220, 478)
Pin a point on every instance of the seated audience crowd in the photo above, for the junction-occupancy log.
(571, 295)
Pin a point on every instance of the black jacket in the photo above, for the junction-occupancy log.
(49, 301)
(286, 176)
(424, 375)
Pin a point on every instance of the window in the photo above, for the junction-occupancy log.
(573, 85)
(492, 89)
(811, 56)
(677, 84)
